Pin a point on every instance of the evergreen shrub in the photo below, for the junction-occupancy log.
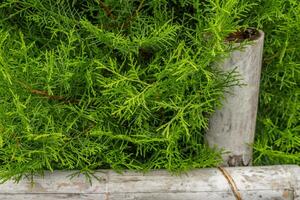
(278, 127)
(122, 84)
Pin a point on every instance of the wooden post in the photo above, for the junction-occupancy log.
(232, 128)
(273, 182)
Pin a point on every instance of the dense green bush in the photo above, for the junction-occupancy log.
(130, 84)
(278, 128)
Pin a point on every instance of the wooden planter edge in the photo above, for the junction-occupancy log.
(264, 182)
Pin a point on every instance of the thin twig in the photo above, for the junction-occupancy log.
(231, 183)
(107, 10)
(53, 97)
(47, 95)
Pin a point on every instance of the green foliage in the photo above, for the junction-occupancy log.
(131, 84)
(114, 84)
(278, 129)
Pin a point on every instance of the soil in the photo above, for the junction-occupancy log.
(242, 35)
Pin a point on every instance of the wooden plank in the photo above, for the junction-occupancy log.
(253, 195)
(249, 195)
(68, 196)
(232, 127)
(57, 182)
(272, 182)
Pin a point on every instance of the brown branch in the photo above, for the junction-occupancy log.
(47, 95)
(107, 10)
(53, 97)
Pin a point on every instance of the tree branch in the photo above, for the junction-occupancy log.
(53, 97)
(47, 95)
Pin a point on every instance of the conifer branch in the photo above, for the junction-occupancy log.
(138, 86)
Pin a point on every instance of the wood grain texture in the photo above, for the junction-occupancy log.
(68, 196)
(273, 182)
(232, 127)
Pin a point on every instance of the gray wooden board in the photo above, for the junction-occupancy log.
(268, 182)
(265, 195)
(68, 196)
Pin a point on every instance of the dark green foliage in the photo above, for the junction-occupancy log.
(278, 129)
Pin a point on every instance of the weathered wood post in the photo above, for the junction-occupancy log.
(232, 128)
(263, 183)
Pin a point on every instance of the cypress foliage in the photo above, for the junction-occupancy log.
(110, 84)
(278, 127)
(131, 84)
